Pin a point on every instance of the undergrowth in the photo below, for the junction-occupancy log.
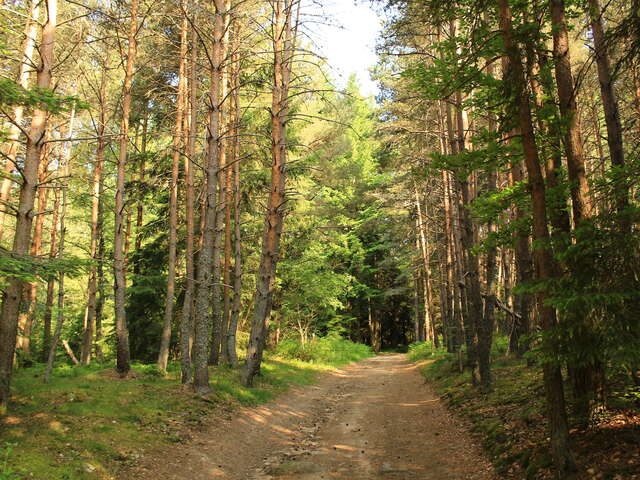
(88, 423)
(511, 422)
(331, 350)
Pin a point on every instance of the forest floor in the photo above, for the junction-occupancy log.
(510, 421)
(373, 419)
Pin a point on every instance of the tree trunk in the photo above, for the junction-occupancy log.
(470, 277)
(163, 356)
(92, 287)
(186, 322)
(374, 328)
(205, 258)
(30, 32)
(142, 170)
(447, 293)
(523, 273)
(13, 292)
(283, 49)
(119, 255)
(609, 102)
(544, 95)
(569, 111)
(60, 319)
(485, 334)
(48, 309)
(457, 297)
(27, 316)
(218, 332)
(420, 301)
(100, 276)
(226, 277)
(554, 390)
(237, 201)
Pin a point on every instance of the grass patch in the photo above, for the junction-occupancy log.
(87, 423)
(331, 350)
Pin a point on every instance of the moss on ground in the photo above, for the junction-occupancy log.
(87, 423)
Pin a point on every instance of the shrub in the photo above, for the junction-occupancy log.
(330, 350)
(422, 351)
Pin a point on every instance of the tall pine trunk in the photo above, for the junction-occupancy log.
(64, 171)
(552, 376)
(51, 281)
(92, 286)
(12, 295)
(163, 356)
(237, 202)
(186, 321)
(569, 111)
(283, 44)
(120, 235)
(13, 143)
(609, 101)
(205, 258)
(27, 315)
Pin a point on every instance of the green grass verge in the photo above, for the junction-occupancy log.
(87, 423)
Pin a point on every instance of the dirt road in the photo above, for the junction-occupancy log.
(374, 419)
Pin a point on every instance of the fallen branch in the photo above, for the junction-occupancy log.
(70, 353)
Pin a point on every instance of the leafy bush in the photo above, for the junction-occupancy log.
(330, 350)
(422, 351)
(500, 346)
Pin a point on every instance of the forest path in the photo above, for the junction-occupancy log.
(372, 419)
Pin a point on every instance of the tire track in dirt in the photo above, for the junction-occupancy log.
(373, 419)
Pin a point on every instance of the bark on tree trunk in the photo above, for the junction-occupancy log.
(48, 308)
(24, 218)
(471, 279)
(226, 277)
(425, 250)
(419, 291)
(163, 356)
(569, 111)
(205, 259)
(609, 102)
(27, 316)
(119, 255)
(237, 201)
(13, 143)
(523, 273)
(186, 322)
(458, 301)
(446, 292)
(283, 48)
(60, 316)
(92, 287)
(218, 330)
(554, 390)
(544, 96)
(64, 170)
(485, 334)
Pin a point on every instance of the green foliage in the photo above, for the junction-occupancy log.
(598, 297)
(87, 415)
(29, 269)
(6, 472)
(14, 95)
(331, 350)
(425, 351)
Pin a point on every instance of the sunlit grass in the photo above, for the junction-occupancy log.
(88, 423)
